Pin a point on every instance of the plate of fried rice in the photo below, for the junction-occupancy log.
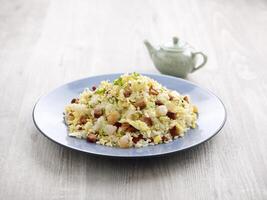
(129, 115)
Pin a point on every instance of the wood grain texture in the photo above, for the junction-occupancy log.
(46, 43)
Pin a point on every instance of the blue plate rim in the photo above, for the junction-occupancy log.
(135, 156)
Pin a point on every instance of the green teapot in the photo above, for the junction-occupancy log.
(178, 59)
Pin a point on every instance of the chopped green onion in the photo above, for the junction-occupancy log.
(100, 91)
(136, 74)
(118, 82)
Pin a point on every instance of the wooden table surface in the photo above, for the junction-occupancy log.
(46, 43)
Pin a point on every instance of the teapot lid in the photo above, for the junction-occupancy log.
(177, 46)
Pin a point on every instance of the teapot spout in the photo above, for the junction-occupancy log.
(149, 47)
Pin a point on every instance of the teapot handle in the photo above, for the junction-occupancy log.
(205, 59)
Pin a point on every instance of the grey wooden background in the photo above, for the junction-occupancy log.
(46, 43)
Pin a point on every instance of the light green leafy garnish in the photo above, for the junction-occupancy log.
(100, 91)
(118, 82)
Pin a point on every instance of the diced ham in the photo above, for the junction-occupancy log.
(171, 115)
(126, 127)
(98, 113)
(136, 139)
(140, 104)
(158, 103)
(75, 100)
(91, 138)
(147, 120)
(174, 131)
(186, 99)
(152, 91)
(127, 92)
(83, 120)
